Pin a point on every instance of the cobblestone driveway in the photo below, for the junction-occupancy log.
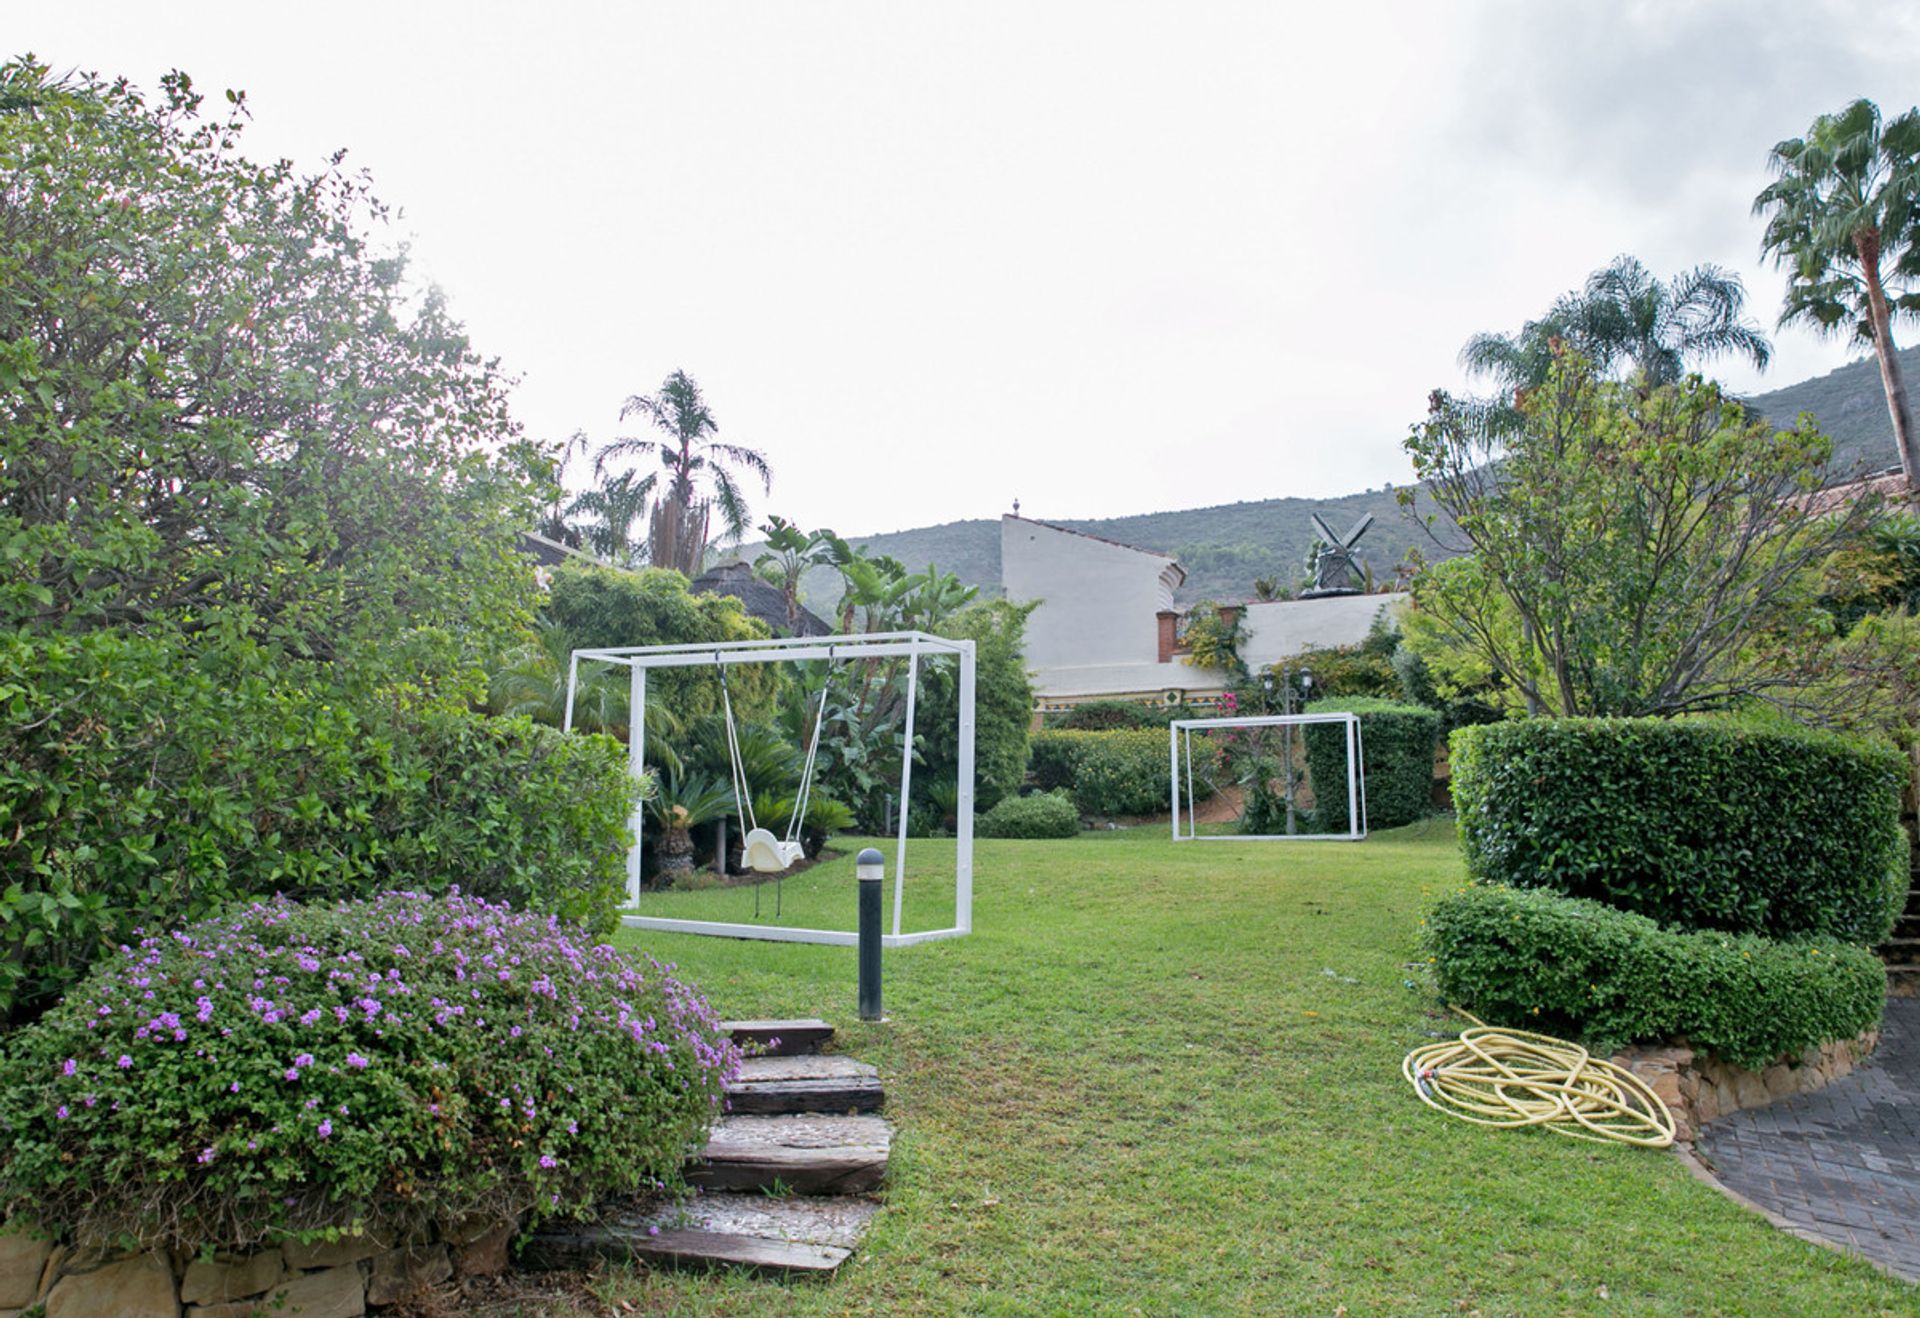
(1843, 1163)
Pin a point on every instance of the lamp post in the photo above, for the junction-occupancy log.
(869, 867)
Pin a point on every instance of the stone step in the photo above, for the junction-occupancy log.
(787, 1038)
(794, 1154)
(819, 1082)
(1903, 981)
(749, 1231)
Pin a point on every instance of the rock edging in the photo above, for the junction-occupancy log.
(1699, 1087)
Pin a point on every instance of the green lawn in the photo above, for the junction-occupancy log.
(1145, 1085)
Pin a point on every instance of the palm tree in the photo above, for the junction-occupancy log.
(679, 804)
(789, 553)
(694, 463)
(1626, 316)
(1843, 217)
(616, 509)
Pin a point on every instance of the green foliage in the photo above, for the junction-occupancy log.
(601, 609)
(1397, 746)
(1633, 551)
(1123, 772)
(1697, 823)
(1002, 708)
(229, 413)
(140, 785)
(1042, 815)
(1106, 715)
(1565, 966)
(395, 1063)
(1212, 641)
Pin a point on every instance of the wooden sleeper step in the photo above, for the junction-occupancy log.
(769, 1086)
(780, 1038)
(749, 1231)
(794, 1154)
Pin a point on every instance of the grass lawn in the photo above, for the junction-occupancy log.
(1145, 1085)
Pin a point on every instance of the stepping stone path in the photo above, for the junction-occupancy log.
(783, 1183)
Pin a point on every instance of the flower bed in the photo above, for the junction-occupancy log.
(394, 1065)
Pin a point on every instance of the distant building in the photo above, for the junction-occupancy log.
(1107, 627)
(762, 600)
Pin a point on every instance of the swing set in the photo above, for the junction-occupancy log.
(762, 850)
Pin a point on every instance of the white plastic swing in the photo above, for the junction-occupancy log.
(760, 850)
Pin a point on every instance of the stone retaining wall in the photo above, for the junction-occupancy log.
(1699, 1087)
(338, 1279)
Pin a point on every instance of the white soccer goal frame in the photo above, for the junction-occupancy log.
(913, 646)
(1180, 737)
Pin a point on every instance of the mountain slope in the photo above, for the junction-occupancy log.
(1225, 547)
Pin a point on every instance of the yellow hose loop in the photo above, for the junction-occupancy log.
(1516, 1078)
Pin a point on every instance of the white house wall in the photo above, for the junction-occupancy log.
(1098, 598)
(1284, 628)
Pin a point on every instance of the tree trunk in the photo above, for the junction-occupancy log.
(1889, 362)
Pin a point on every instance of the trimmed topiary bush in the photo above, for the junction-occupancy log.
(1122, 772)
(1696, 823)
(1108, 715)
(1581, 969)
(1397, 744)
(401, 1062)
(1045, 815)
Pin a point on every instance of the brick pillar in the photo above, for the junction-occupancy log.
(1169, 620)
(1229, 614)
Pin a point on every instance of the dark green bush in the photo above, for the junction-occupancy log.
(400, 1063)
(1045, 814)
(1582, 969)
(1123, 772)
(1107, 715)
(1703, 824)
(1397, 746)
(140, 787)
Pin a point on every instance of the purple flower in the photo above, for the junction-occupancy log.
(357, 1062)
(304, 1059)
(61, 1112)
(125, 1062)
(69, 1067)
(234, 1088)
(293, 1073)
(326, 1129)
(547, 1161)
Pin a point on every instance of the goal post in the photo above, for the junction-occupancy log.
(1180, 734)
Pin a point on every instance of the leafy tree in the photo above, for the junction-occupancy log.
(1633, 552)
(789, 553)
(617, 508)
(1003, 703)
(1843, 217)
(1625, 316)
(1267, 590)
(694, 463)
(226, 415)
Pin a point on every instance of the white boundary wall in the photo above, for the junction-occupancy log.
(912, 646)
(1180, 743)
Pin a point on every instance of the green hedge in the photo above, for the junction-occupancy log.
(1704, 824)
(1581, 969)
(1122, 772)
(1045, 815)
(1397, 745)
(140, 788)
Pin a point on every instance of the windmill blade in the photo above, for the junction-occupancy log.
(1359, 529)
(1326, 532)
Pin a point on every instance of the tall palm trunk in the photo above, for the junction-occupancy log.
(1867, 244)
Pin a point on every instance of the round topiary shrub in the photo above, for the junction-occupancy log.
(1046, 815)
(1701, 823)
(1397, 743)
(395, 1063)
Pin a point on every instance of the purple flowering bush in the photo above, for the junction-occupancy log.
(392, 1063)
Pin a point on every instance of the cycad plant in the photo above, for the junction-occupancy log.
(681, 802)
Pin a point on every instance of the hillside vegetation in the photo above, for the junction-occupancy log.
(1225, 547)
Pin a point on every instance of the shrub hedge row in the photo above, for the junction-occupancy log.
(1697, 823)
(1121, 772)
(1581, 969)
(1043, 815)
(140, 788)
(1397, 746)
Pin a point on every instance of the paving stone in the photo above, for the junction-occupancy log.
(1843, 1162)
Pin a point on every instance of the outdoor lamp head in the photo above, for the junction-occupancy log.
(1306, 679)
(869, 866)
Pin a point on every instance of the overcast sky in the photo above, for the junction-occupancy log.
(1105, 258)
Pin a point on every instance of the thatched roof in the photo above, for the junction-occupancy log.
(763, 601)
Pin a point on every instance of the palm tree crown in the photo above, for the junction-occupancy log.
(1843, 219)
(1625, 316)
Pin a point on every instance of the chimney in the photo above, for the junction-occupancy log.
(1229, 614)
(1169, 620)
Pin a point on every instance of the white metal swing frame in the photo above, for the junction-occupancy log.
(1180, 738)
(913, 646)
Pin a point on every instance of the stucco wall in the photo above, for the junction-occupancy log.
(1099, 599)
(1284, 628)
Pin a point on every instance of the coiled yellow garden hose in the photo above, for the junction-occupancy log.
(1514, 1078)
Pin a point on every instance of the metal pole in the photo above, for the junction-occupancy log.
(1173, 776)
(906, 791)
(870, 869)
(963, 822)
(637, 766)
(573, 679)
